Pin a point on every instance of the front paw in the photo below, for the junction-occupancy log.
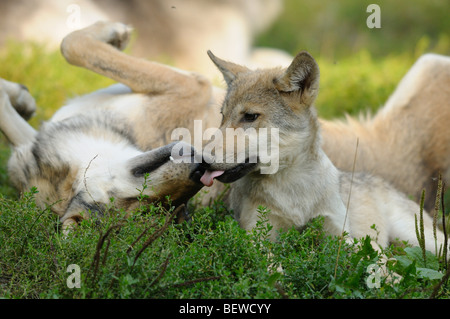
(20, 98)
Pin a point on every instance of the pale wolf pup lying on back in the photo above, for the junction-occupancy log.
(306, 184)
(107, 144)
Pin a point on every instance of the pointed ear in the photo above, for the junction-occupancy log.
(302, 76)
(229, 70)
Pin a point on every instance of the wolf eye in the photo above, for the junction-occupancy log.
(250, 117)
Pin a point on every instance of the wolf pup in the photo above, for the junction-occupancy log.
(306, 184)
(103, 145)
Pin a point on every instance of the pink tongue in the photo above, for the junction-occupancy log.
(208, 176)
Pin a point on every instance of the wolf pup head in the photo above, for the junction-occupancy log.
(264, 109)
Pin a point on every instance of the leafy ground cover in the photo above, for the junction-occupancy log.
(146, 256)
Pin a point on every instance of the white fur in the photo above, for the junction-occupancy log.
(301, 190)
(102, 166)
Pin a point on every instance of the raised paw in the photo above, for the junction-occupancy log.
(114, 33)
(20, 98)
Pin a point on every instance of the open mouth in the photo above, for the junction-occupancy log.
(227, 176)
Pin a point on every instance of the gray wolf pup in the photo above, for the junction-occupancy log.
(102, 145)
(307, 184)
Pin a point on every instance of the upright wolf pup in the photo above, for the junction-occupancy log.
(306, 184)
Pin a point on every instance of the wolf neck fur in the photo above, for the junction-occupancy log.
(309, 180)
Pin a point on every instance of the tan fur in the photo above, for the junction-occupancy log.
(407, 142)
(307, 184)
(189, 92)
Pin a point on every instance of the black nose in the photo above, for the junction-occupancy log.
(197, 173)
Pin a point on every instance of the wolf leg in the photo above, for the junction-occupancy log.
(13, 98)
(96, 48)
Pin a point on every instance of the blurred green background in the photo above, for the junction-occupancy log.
(337, 29)
(360, 67)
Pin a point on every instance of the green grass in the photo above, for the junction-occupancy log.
(337, 29)
(145, 256)
(348, 88)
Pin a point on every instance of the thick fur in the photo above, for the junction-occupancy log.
(102, 145)
(307, 184)
(64, 161)
(408, 141)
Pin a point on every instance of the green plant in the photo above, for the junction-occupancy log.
(146, 255)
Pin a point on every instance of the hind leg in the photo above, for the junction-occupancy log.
(172, 99)
(97, 49)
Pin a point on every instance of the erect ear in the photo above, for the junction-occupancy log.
(302, 77)
(229, 70)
